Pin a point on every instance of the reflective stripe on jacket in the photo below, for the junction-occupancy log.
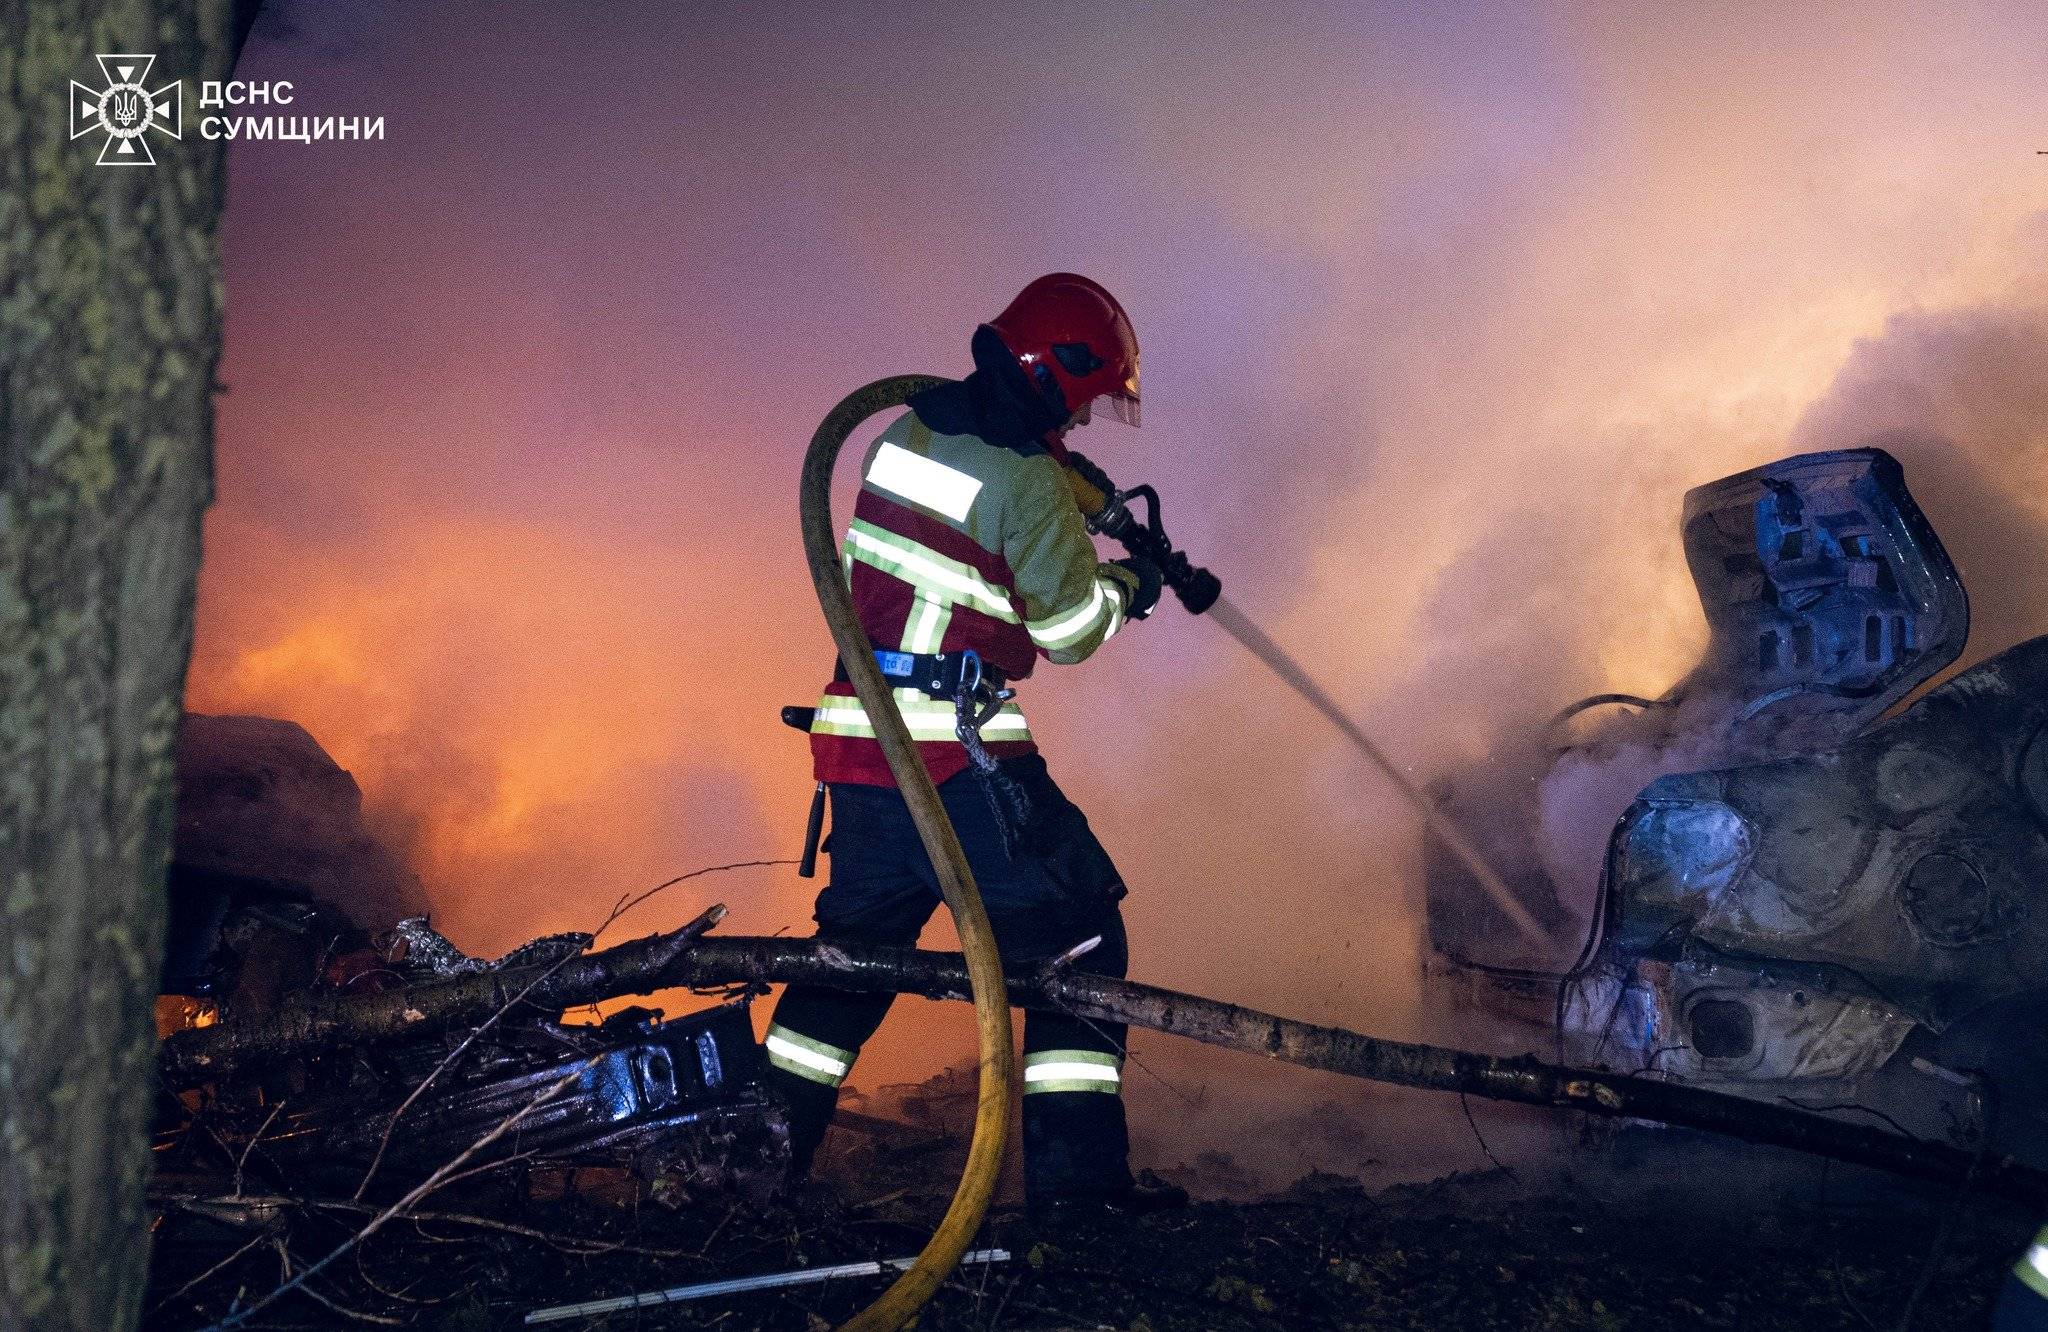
(957, 543)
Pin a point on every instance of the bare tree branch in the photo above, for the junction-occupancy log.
(659, 962)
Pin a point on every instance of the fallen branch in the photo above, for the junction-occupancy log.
(310, 1023)
(272, 1204)
(707, 918)
(313, 1021)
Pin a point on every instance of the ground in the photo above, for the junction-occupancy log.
(1662, 1231)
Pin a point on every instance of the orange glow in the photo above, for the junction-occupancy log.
(1444, 308)
(182, 1012)
(512, 699)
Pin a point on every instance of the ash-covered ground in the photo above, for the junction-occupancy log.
(1636, 1228)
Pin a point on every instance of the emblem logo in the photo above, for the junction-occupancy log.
(125, 111)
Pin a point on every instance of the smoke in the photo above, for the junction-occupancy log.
(1960, 398)
(1444, 309)
(519, 748)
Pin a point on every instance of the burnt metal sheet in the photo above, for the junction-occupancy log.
(1834, 893)
(1913, 858)
(642, 1092)
(1703, 1019)
(1828, 598)
(1827, 594)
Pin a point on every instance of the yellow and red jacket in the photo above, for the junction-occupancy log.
(959, 543)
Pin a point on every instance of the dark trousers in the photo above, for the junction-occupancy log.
(1041, 902)
(2020, 1308)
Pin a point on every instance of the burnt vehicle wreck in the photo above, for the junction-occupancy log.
(1814, 901)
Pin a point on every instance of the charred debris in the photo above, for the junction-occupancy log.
(446, 1152)
(1829, 940)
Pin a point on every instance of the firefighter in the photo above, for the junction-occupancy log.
(967, 556)
(2023, 1303)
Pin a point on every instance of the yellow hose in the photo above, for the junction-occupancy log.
(898, 1304)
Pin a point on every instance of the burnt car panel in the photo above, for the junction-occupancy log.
(1703, 1019)
(1914, 855)
(1826, 591)
(1828, 598)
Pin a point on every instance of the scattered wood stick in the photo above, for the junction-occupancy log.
(313, 1021)
(203, 1277)
(424, 1188)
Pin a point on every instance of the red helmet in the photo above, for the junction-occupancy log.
(1074, 342)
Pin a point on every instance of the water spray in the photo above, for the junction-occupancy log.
(1109, 511)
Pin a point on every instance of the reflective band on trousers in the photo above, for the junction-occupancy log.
(1071, 1071)
(793, 1052)
(2032, 1268)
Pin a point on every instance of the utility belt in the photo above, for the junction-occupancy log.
(977, 691)
(946, 675)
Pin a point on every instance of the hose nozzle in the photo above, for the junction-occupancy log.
(1108, 511)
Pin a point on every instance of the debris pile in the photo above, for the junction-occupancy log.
(381, 1129)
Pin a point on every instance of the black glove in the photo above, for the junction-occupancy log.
(1149, 584)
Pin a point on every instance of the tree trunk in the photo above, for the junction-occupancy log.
(110, 329)
(309, 1023)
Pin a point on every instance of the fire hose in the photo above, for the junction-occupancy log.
(909, 1292)
(1107, 512)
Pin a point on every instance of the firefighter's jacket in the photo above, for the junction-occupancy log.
(960, 543)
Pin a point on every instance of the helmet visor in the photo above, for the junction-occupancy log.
(1123, 402)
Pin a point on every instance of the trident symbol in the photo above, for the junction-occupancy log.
(126, 105)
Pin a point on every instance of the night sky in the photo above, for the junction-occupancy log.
(1443, 308)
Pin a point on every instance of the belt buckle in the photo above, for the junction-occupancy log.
(970, 671)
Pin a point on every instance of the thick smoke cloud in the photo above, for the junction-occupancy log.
(1443, 309)
(1961, 398)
